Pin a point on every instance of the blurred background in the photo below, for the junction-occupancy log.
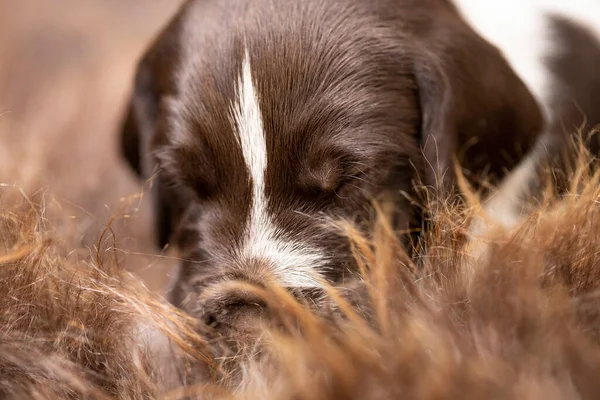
(66, 69)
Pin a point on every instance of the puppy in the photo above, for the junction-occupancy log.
(260, 119)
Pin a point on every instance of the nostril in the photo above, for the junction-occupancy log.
(210, 320)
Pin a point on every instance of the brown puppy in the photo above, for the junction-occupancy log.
(264, 116)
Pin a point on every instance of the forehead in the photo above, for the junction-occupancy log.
(315, 78)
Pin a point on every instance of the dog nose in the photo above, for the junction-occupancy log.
(232, 309)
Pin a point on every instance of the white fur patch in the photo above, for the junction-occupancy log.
(294, 263)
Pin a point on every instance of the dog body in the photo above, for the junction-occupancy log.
(554, 46)
(264, 118)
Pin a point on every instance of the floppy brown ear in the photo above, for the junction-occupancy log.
(130, 141)
(474, 106)
(141, 122)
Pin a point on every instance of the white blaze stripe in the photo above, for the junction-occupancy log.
(295, 264)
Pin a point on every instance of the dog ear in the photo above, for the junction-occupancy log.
(130, 145)
(141, 123)
(474, 106)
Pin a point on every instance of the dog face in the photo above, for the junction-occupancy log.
(263, 118)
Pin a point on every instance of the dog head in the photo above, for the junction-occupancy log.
(261, 117)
